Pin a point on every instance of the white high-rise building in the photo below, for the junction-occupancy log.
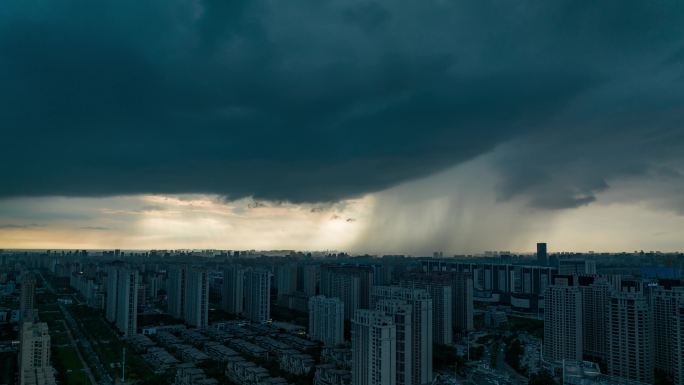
(630, 337)
(401, 313)
(34, 355)
(233, 289)
(373, 348)
(176, 290)
(326, 320)
(197, 298)
(421, 326)
(664, 304)
(257, 295)
(563, 320)
(127, 301)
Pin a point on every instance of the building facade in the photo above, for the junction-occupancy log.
(127, 301)
(373, 348)
(257, 295)
(326, 320)
(232, 296)
(421, 323)
(176, 290)
(563, 321)
(630, 337)
(197, 298)
(34, 355)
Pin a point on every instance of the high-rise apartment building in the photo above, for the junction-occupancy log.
(664, 303)
(197, 298)
(630, 337)
(176, 290)
(563, 320)
(442, 294)
(520, 286)
(112, 283)
(421, 324)
(677, 343)
(233, 289)
(462, 315)
(286, 279)
(373, 348)
(401, 313)
(27, 298)
(127, 301)
(350, 283)
(596, 292)
(257, 295)
(326, 320)
(309, 277)
(34, 355)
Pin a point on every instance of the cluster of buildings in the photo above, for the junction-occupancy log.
(633, 327)
(373, 321)
(34, 339)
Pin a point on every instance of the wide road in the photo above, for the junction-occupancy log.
(72, 327)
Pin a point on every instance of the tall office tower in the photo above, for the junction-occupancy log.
(664, 302)
(127, 301)
(176, 290)
(309, 277)
(462, 316)
(197, 298)
(233, 289)
(441, 291)
(286, 279)
(112, 284)
(27, 299)
(542, 257)
(401, 314)
(374, 348)
(563, 320)
(630, 337)
(579, 266)
(677, 333)
(421, 321)
(326, 320)
(351, 284)
(596, 294)
(34, 355)
(258, 295)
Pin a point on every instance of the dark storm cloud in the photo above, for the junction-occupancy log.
(322, 100)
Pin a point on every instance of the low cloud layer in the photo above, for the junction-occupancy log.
(318, 101)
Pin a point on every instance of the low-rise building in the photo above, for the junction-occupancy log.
(249, 348)
(296, 363)
(160, 359)
(188, 374)
(219, 352)
(329, 374)
(189, 353)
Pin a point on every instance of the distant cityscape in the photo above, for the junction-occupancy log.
(292, 318)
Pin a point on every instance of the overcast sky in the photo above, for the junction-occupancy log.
(360, 125)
